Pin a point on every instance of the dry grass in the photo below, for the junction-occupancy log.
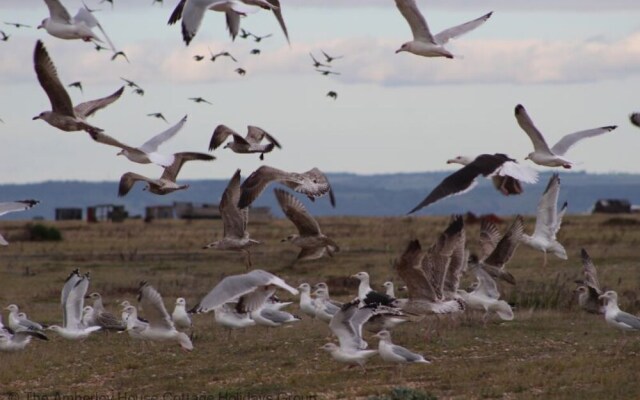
(551, 350)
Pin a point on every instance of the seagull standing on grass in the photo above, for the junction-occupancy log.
(396, 354)
(424, 43)
(180, 317)
(616, 317)
(554, 156)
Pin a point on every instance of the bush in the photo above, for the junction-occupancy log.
(41, 233)
(403, 393)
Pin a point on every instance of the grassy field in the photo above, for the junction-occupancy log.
(550, 350)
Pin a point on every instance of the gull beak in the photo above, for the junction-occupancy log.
(40, 26)
(449, 161)
(399, 50)
(36, 117)
(526, 158)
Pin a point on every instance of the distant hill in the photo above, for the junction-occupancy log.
(364, 195)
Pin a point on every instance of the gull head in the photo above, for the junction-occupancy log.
(289, 238)
(180, 301)
(330, 347)
(321, 285)
(580, 289)
(121, 153)
(609, 296)
(55, 328)
(94, 296)
(361, 276)
(383, 335)
(464, 160)
(304, 288)
(12, 308)
(43, 24)
(387, 285)
(529, 156)
(42, 115)
(404, 47)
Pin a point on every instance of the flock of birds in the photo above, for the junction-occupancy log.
(432, 276)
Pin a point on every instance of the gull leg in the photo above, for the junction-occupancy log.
(544, 265)
(261, 156)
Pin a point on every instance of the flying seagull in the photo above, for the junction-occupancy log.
(318, 64)
(159, 116)
(485, 297)
(244, 34)
(312, 242)
(221, 54)
(138, 91)
(498, 250)
(148, 151)
(255, 51)
(167, 182)
(198, 57)
(251, 143)
(465, 178)
(333, 95)
(60, 24)
(98, 47)
(241, 71)
(258, 39)
(554, 156)
(505, 184)
(589, 290)
(548, 221)
(17, 25)
(13, 206)
(424, 43)
(120, 53)
(63, 115)
(312, 183)
(326, 72)
(199, 100)
(249, 290)
(77, 84)
(4, 37)
(330, 58)
(130, 83)
(234, 220)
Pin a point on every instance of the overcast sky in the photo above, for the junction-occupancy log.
(574, 64)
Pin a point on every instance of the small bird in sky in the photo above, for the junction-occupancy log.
(198, 57)
(120, 53)
(255, 51)
(17, 25)
(4, 37)
(245, 34)
(77, 84)
(330, 58)
(258, 39)
(241, 71)
(199, 100)
(158, 115)
(130, 83)
(139, 91)
(317, 63)
(332, 94)
(221, 54)
(325, 73)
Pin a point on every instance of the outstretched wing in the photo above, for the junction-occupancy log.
(48, 78)
(452, 33)
(232, 217)
(87, 109)
(571, 139)
(297, 213)
(417, 23)
(152, 144)
(171, 172)
(539, 144)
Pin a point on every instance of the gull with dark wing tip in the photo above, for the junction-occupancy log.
(589, 290)
(313, 184)
(368, 296)
(167, 182)
(15, 341)
(251, 143)
(159, 116)
(313, 243)
(487, 165)
(505, 184)
(60, 24)
(330, 58)
(635, 119)
(199, 100)
(616, 317)
(503, 248)
(554, 156)
(13, 206)
(63, 115)
(250, 291)
(548, 222)
(148, 152)
(234, 236)
(19, 322)
(424, 43)
(107, 1)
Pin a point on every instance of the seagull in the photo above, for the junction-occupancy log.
(199, 100)
(244, 34)
(424, 43)
(160, 326)
(221, 54)
(498, 250)
(226, 316)
(465, 178)
(4, 37)
(14, 206)
(635, 119)
(198, 57)
(130, 83)
(148, 151)
(554, 156)
(241, 71)
(180, 317)
(72, 301)
(548, 221)
(485, 297)
(258, 39)
(249, 290)
(332, 94)
(330, 58)
(235, 236)
(616, 317)
(313, 243)
(266, 316)
(255, 51)
(397, 354)
(193, 12)
(63, 115)
(159, 116)
(325, 308)
(103, 318)
(307, 304)
(60, 24)
(17, 25)
(120, 53)
(98, 47)
(388, 286)
(368, 296)
(505, 184)
(135, 324)
(77, 84)
(327, 72)
(167, 182)
(318, 64)
(14, 341)
(19, 322)
(244, 145)
(589, 291)
(312, 184)
(138, 91)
